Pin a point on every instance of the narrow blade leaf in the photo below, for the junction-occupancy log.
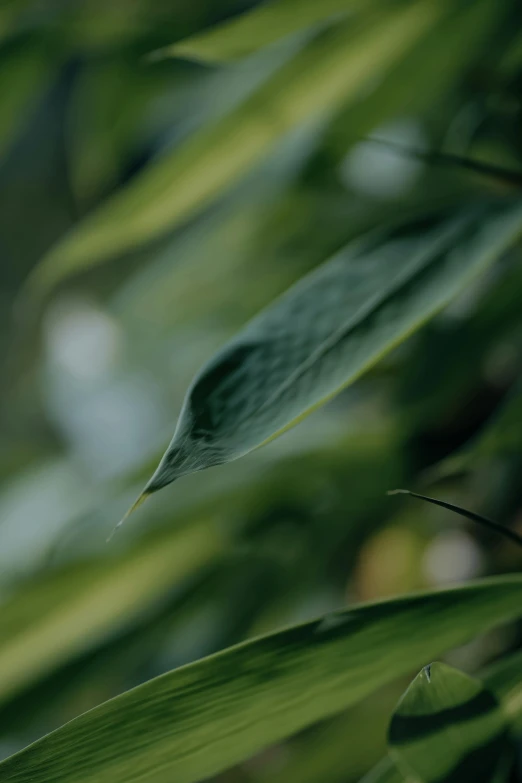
(202, 718)
(326, 331)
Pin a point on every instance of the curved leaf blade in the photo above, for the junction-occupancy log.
(202, 718)
(448, 727)
(326, 331)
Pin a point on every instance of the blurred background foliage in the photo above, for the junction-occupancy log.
(172, 191)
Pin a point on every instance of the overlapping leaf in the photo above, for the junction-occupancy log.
(204, 717)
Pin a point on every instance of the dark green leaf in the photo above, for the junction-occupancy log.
(326, 331)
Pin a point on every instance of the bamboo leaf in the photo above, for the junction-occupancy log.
(326, 331)
(448, 727)
(202, 718)
(334, 69)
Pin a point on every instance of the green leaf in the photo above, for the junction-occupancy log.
(251, 31)
(202, 718)
(448, 728)
(326, 331)
(48, 621)
(334, 69)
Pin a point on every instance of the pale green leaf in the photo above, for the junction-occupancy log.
(327, 330)
(52, 619)
(265, 24)
(202, 718)
(448, 727)
(334, 69)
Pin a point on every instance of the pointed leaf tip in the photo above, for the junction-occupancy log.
(398, 492)
(137, 503)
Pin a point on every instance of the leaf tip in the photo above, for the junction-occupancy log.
(398, 492)
(137, 503)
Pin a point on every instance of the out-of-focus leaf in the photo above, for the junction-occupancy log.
(109, 116)
(25, 71)
(46, 622)
(326, 331)
(504, 679)
(333, 69)
(202, 718)
(205, 274)
(433, 65)
(448, 727)
(263, 25)
(209, 265)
